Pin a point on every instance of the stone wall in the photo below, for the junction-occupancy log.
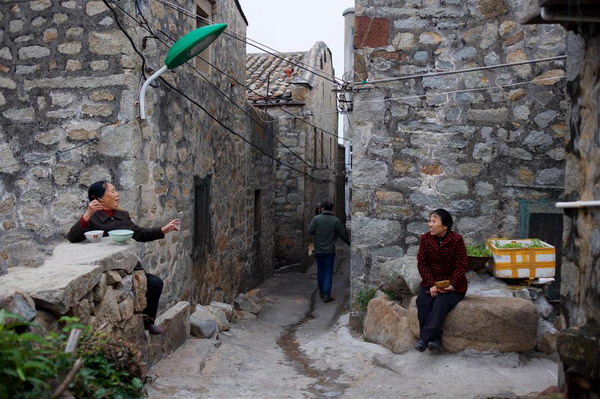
(579, 347)
(92, 281)
(69, 74)
(476, 152)
(298, 196)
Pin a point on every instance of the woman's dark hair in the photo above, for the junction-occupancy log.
(97, 190)
(445, 216)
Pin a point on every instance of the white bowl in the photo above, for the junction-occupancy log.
(120, 236)
(94, 235)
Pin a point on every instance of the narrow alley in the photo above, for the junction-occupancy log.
(300, 347)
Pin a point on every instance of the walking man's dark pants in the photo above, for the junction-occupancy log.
(154, 289)
(433, 311)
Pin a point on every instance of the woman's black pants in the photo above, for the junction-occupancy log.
(433, 311)
(153, 291)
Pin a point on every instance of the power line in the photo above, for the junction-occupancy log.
(57, 154)
(427, 75)
(221, 71)
(270, 101)
(205, 110)
(258, 45)
(465, 90)
(224, 94)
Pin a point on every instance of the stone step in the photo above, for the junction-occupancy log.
(176, 323)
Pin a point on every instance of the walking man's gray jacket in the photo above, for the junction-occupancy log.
(327, 228)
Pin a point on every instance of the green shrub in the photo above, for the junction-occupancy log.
(363, 297)
(31, 365)
(478, 250)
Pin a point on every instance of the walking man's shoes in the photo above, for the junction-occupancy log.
(321, 295)
(420, 346)
(328, 298)
(435, 346)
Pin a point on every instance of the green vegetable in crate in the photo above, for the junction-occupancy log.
(535, 243)
(478, 251)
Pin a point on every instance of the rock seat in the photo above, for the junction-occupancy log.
(480, 323)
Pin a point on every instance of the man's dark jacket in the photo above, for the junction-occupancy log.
(327, 228)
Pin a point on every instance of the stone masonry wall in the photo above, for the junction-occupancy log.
(580, 288)
(474, 152)
(297, 196)
(69, 74)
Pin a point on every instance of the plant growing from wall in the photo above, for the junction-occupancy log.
(363, 297)
(31, 365)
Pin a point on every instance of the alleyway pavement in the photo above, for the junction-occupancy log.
(300, 347)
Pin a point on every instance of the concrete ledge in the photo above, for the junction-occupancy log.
(176, 322)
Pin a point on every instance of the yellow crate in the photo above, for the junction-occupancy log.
(522, 262)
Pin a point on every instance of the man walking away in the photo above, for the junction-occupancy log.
(326, 228)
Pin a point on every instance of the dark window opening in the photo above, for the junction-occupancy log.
(315, 145)
(257, 211)
(322, 154)
(202, 231)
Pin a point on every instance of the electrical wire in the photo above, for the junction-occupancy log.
(557, 78)
(219, 122)
(148, 29)
(261, 125)
(57, 154)
(443, 73)
(258, 45)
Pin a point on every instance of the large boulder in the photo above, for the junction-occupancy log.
(387, 324)
(399, 276)
(15, 300)
(487, 323)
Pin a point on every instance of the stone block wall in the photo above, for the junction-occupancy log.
(68, 75)
(446, 141)
(95, 282)
(580, 288)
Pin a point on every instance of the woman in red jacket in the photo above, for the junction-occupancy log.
(442, 256)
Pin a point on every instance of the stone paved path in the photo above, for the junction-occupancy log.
(300, 347)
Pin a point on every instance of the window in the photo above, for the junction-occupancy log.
(205, 13)
(257, 211)
(322, 154)
(314, 145)
(202, 232)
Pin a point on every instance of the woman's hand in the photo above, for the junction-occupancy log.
(434, 291)
(92, 208)
(449, 288)
(173, 225)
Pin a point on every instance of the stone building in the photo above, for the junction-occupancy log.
(578, 344)
(70, 73)
(493, 156)
(296, 90)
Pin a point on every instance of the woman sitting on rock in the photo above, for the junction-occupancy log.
(442, 256)
(103, 213)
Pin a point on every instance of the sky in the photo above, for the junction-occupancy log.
(288, 26)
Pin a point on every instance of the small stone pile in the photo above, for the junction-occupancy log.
(493, 316)
(209, 321)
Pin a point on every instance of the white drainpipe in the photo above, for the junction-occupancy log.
(577, 204)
